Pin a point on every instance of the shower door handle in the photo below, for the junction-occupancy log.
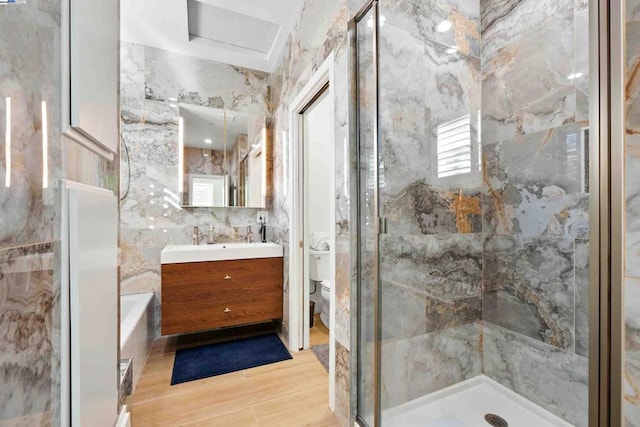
(382, 225)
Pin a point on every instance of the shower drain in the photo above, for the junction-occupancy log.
(495, 420)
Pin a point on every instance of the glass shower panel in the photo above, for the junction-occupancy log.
(484, 193)
(535, 208)
(366, 95)
(632, 267)
(431, 200)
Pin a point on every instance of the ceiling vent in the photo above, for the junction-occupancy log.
(224, 28)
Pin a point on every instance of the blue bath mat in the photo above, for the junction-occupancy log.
(222, 358)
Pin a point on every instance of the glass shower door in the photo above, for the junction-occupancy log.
(474, 211)
(430, 190)
(367, 228)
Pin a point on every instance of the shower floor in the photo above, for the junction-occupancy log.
(465, 405)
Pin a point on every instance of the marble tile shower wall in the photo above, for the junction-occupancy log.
(431, 255)
(29, 233)
(632, 283)
(535, 201)
(153, 81)
(29, 358)
(321, 28)
(486, 272)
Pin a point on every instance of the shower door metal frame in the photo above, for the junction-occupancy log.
(607, 119)
(371, 5)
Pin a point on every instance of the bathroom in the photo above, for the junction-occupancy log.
(454, 184)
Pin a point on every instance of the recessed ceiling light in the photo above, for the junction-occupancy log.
(444, 26)
(208, 141)
(451, 50)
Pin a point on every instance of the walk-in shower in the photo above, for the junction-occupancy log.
(474, 143)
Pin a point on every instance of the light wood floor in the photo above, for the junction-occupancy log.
(319, 334)
(291, 393)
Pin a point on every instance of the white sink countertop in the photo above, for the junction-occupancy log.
(174, 254)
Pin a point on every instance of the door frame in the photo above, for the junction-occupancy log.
(298, 271)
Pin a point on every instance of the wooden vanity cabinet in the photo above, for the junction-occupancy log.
(200, 296)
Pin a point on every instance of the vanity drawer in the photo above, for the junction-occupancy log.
(239, 272)
(208, 295)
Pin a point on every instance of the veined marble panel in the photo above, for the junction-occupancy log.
(423, 209)
(632, 285)
(423, 84)
(506, 20)
(343, 385)
(632, 352)
(582, 297)
(521, 98)
(320, 29)
(529, 287)
(26, 335)
(342, 325)
(555, 379)
(633, 206)
(429, 283)
(444, 267)
(132, 66)
(633, 62)
(422, 17)
(581, 55)
(417, 366)
(29, 74)
(202, 82)
(536, 184)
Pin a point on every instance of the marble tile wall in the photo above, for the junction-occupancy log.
(431, 256)
(29, 74)
(535, 201)
(632, 283)
(504, 248)
(153, 81)
(551, 377)
(27, 300)
(321, 28)
(29, 233)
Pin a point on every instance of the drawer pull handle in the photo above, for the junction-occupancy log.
(227, 277)
(227, 310)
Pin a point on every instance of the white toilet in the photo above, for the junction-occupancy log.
(320, 271)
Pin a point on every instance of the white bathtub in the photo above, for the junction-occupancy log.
(137, 331)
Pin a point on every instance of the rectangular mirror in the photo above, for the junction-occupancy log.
(223, 158)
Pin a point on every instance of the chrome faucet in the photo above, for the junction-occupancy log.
(249, 234)
(196, 235)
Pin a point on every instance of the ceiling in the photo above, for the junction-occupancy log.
(246, 33)
(202, 123)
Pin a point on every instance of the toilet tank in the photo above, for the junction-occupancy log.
(319, 267)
